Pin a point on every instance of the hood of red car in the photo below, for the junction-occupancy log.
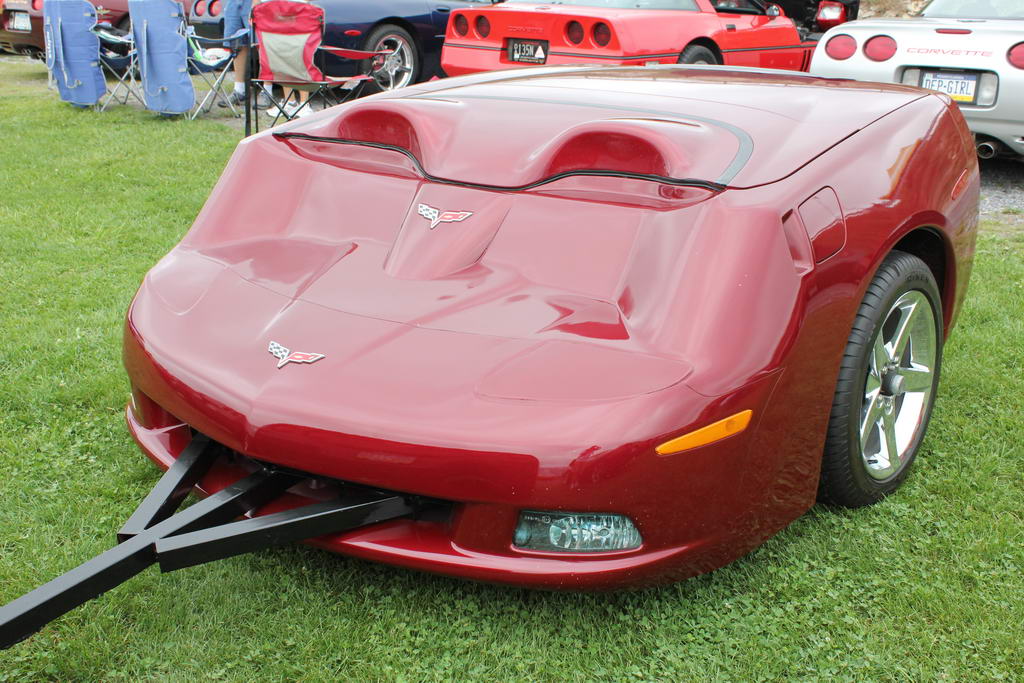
(400, 301)
(573, 246)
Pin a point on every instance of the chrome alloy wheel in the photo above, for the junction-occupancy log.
(899, 384)
(396, 69)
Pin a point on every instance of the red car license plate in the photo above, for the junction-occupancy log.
(19, 21)
(527, 51)
(960, 86)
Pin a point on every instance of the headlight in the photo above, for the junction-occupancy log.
(575, 532)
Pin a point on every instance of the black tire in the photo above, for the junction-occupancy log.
(856, 472)
(391, 37)
(697, 54)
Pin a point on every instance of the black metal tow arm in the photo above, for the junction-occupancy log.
(201, 533)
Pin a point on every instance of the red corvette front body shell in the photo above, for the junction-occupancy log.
(638, 37)
(532, 356)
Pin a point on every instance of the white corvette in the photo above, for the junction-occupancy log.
(972, 50)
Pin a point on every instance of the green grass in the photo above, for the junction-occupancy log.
(926, 585)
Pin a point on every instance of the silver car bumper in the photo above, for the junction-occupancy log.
(1003, 120)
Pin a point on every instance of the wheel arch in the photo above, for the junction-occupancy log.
(704, 41)
(403, 24)
(932, 246)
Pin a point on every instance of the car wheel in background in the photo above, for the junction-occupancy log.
(697, 54)
(886, 386)
(401, 67)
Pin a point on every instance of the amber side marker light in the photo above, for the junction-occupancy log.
(716, 431)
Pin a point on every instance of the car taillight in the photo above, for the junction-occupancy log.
(1016, 55)
(483, 27)
(199, 9)
(574, 32)
(602, 34)
(879, 48)
(461, 25)
(841, 46)
(830, 14)
(214, 8)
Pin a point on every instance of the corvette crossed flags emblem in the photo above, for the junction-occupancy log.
(436, 216)
(288, 356)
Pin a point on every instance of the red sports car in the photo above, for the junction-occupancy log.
(599, 342)
(636, 32)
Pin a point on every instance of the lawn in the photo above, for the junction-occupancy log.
(926, 585)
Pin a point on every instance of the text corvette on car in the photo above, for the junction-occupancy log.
(973, 52)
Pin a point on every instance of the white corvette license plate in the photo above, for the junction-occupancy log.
(19, 21)
(527, 51)
(962, 87)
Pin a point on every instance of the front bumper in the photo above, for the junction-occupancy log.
(430, 543)
(691, 509)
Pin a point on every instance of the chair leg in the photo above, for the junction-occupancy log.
(351, 93)
(280, 109)
(120, 84)
(249, 97)
(135, 81)
(201, 105)
(218, 86)
(215, 94)
(302, 105)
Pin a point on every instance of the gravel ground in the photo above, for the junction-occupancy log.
(1002, 190)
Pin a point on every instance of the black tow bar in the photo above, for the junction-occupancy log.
(201, 533)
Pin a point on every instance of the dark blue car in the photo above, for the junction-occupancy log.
(412, 29)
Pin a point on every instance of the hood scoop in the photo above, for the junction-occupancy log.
(446, 230)
(455, 141)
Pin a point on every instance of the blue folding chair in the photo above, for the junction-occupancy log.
(118, 58)
(158, 28)
(73, 51)
(213, 71)
(169, 53)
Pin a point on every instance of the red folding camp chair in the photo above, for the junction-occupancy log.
(288, 34)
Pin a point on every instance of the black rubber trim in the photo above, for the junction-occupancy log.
(806, 45)
(476, 47)
(688, 182)
(745, 142)
(582, 55)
